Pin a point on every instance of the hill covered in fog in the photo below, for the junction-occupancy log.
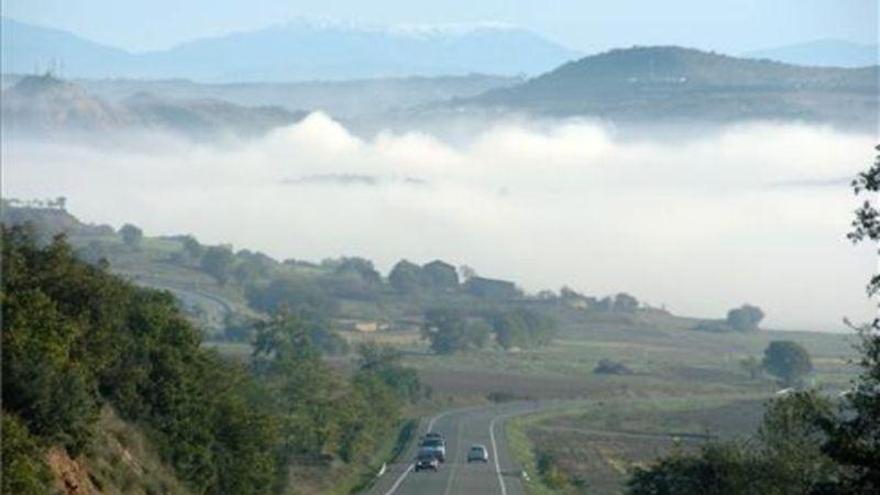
(669, 83)
(45, 105)
(295, 51)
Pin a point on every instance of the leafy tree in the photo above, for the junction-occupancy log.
(297, 295)
(605, 304)
(787, 360)
(75, 337)
(522, 328)
(362, 267)
(51, 393)
(24, 471)
(718, 469)
(479, 332)
(405, 277)
(384, 362)
(285, 356)
(218, 262)
(745, 318)
(192, 247)
(448, 331)
(854, 429)
(625, 303)
(783, 458)
(131, 235)
(439, 275)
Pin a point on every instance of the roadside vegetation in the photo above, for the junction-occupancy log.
(79, 343)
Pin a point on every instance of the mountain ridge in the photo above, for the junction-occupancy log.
(295, 51)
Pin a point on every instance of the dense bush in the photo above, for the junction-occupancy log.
(609, 367)
(449, 331)
(522, 328)
(787, 360)
(745, 318)
(24, 471)
(783, 458)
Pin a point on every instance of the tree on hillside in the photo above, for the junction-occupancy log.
(787, 360)
(405, 277)
(625, 303)
(76, 338)
(294, 294)
(384, 362)
(217, 262)
(192, 247)
(745, 318)
(522, 328)
(854, 430)
(449, 331)
(131, 235)
(362, 267)
(783, 458)
(24, 472)
(439, 275)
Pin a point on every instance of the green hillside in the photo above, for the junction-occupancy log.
(671, 83)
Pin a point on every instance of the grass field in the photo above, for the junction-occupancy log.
(592, 447)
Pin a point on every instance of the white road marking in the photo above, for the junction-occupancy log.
(411, 467)
(400, 480)
(431, 423)
(495, 455)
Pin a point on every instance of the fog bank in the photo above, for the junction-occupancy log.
(753, 213)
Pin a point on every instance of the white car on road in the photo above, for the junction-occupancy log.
(478, 453)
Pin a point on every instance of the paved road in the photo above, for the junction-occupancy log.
(462, 428)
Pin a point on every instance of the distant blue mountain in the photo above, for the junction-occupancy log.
(27, 49)
(295, 51)
(822, 53)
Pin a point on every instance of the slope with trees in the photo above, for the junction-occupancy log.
(77, 340)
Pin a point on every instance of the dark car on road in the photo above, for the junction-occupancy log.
(427, 460)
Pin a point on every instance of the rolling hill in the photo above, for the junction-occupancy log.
(45, 105)
(671, 83)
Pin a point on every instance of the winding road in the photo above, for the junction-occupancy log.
(462, 428)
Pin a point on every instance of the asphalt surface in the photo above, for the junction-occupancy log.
(462, 428)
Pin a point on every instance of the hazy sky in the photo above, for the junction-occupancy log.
(729, 26)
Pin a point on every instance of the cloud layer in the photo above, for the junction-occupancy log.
(753, 213)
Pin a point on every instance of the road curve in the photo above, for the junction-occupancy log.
(462, 428)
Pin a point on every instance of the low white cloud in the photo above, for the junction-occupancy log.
(698, 224)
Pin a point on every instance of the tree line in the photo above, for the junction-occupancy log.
(451, 330)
